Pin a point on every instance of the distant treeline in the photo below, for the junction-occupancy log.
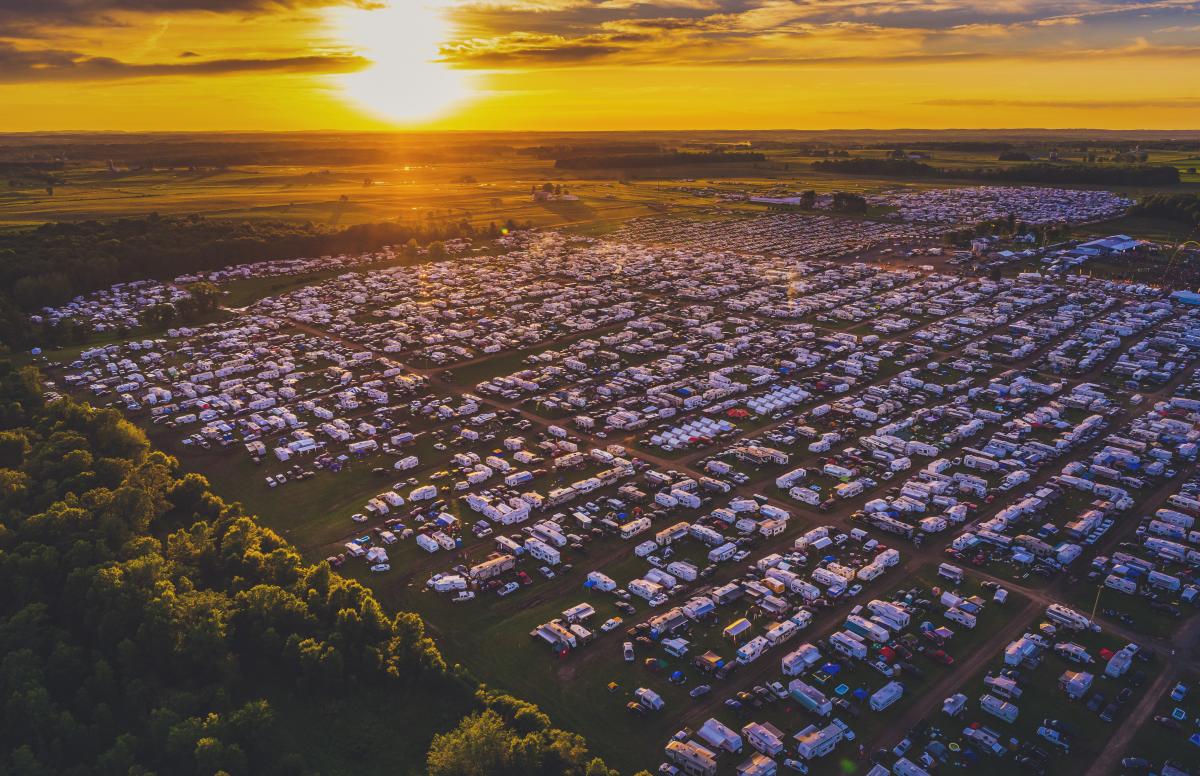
(590, 149)
(676, 159)
(894, 168)
(950, 145)
(24, 168)
(1125, 145)
(1042, 172)
(216, 151)
(52, 264)
(1184, 208)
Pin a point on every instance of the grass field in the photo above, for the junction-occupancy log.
(1141, 226)
(478, 191)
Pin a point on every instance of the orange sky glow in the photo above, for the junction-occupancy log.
(597, 64)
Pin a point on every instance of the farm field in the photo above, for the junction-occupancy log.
(415, 186)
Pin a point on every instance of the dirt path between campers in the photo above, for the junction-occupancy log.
(949, 682)
(1184, 657)
(1109, 759)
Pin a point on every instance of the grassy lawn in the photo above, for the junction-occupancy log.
(1086, 596)
(367, 728)
(1143, 227)
(245, 291)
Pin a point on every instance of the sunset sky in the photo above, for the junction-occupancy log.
(597, 64)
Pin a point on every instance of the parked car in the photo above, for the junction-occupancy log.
(1167, 722)
(942, 657)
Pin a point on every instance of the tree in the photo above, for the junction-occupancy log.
(846, 202)
(479, 746)
(206, 295)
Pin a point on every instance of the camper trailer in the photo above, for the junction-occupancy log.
(885, 696)
(999, 708)
(752, 650)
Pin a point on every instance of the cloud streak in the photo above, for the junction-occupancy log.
(60, 11)
(17, 66)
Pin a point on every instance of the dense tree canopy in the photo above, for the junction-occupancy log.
(510, 737)
(674, 159)
(1037, 172)
(1184, 208)
(145, 622)
(54, 262)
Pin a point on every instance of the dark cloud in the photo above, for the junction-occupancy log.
(18, 66)
(25, 17)
(564, 53)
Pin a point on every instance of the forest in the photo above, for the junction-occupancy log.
(55, 262)
(1184, 208)
(60, 260)
(676, 159)
(1038, 172)
(148, 627)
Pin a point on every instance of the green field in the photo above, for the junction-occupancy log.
(410, 185)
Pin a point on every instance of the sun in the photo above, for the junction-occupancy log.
(404, 83)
